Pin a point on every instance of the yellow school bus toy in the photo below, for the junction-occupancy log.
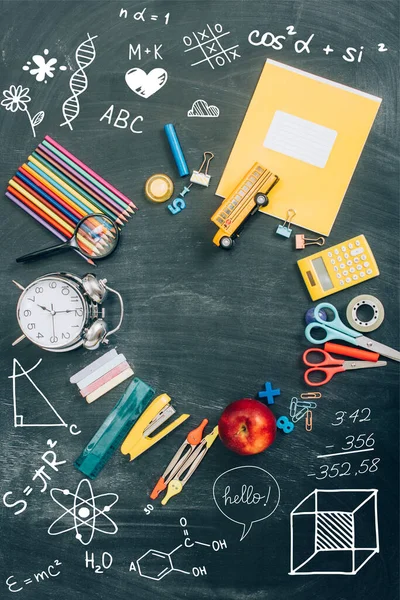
(246, 199)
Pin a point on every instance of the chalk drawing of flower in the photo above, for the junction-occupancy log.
(17, 98)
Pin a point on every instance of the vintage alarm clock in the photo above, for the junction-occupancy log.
(60, 312)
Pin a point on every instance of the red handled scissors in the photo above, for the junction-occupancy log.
(328, 366)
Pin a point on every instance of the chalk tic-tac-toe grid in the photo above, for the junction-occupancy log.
(209, 46)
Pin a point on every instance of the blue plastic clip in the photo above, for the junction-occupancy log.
(284, 229)
(269, 393)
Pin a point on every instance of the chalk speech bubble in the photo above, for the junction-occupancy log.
(246, 495)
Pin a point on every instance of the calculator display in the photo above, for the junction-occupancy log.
(322, 273)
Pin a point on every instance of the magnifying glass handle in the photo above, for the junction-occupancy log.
(44, 252)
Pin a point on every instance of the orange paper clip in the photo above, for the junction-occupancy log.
(308, 420)
(310, 395)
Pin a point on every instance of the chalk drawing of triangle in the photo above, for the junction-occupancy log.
(19, 418)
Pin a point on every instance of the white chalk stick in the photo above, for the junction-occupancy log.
(109, 385)
(117, 360)
(93, 366)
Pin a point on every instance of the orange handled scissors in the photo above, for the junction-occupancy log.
(328, 366)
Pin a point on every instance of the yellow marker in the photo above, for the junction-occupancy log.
(138, 439)
(159, 188)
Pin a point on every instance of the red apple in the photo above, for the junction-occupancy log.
(247, 426)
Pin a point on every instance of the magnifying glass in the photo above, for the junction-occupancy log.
(95, 236)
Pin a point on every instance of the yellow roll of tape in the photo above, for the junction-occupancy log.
(159, 188)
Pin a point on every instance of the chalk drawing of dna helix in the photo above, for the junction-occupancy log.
(84, 56)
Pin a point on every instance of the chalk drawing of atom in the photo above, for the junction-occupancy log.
(87, 512)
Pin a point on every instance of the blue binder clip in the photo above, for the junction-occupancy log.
(284, 230)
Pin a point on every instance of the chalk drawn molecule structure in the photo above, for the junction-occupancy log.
(78, 83)
(155, 564)
(85, 512)
(208, 45)
(334, 532)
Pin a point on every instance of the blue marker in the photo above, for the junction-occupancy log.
(176, 150)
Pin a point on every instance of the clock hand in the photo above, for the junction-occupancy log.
(63, 311)
(52, 320)
(44, 308)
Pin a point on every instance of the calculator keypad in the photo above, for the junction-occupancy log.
(349, 262)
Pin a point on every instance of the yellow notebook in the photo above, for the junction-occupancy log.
(309, 131)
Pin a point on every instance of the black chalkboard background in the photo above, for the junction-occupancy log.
(205, 326)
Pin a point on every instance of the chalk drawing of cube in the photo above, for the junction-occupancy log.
(334, 532)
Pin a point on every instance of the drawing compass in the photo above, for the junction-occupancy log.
(184, 464)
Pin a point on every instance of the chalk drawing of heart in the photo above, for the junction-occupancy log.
(146, 84)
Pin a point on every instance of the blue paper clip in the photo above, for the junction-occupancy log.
(300, 415)
(293, 407)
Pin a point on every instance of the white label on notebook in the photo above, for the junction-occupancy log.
(300, 139)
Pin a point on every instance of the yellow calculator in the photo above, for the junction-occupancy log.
(338, 268)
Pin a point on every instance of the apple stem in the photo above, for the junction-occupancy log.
(243, 429)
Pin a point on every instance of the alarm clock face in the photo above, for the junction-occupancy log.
(52, 312)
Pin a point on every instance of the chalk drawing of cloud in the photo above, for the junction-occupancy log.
(200, 108)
